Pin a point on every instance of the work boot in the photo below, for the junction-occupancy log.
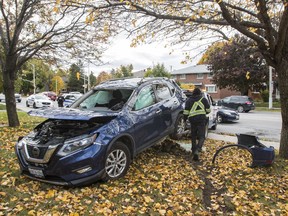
(196, 157)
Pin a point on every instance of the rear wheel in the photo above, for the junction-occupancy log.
(219, 119)
(214, 126)
(240, 109)
(206, 130)
(179, 128)
(117, 161)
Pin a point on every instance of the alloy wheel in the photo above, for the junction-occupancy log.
(116, 163)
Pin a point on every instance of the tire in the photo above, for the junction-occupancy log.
(214, 127)
(117, 161)
(219, 119)
(240, 109)
(206, 130)
(179, 128)
(34, 105)
(27, 104)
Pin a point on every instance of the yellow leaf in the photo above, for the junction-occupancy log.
(169, 213)
(148, 199)
(32, 212)
(201, 13)
(56, 9)
(50, 194)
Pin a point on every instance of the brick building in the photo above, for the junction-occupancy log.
(200, 76)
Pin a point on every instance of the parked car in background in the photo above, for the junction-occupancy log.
(76, 93)
(239, 103)
(225, 114)
(18, 97)
(51, 95)
(38, 100)
(69, 99)
(102, 132)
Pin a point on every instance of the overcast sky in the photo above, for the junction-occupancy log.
(141, 57)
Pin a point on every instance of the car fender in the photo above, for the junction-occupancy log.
(123, 138)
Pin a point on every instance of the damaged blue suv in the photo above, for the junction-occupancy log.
(99, 135)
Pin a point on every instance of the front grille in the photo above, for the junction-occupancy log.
(38, 154)
(36, 151)
(45, 103)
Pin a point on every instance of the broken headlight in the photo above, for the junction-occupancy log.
(76, 143)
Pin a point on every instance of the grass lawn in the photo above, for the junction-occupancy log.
(160, 181)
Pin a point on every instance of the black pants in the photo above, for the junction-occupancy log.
(197, 132)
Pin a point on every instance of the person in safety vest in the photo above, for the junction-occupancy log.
(196, 108)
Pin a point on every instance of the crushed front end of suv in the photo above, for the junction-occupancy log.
(100, 134)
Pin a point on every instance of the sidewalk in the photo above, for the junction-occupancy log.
(230, 139)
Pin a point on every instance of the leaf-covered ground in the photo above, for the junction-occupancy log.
(161, 181)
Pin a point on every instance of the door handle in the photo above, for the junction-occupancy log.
(158, 111)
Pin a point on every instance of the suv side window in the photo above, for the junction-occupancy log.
(236, 99)
(145, 98)
(226, 100)
(162, 92)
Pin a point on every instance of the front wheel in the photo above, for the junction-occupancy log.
(179, 128)
(117, 161)
(219, 119)
(240, 109)
(34, 105)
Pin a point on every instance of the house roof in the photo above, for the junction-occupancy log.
(195, 69)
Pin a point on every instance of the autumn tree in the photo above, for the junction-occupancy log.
(123, 71)
(182, 21)
(75, 84)
(158, 70)
(237, 65)
(103, 76)
(92, 79)
(45, 29)
(57, 84)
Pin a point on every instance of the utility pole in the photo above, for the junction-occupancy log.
(270, 88)
(89, 86)
(34, 78)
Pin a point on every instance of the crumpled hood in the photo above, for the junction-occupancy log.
(70, 114)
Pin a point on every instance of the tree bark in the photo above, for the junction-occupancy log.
(282, 71)
(9, 91)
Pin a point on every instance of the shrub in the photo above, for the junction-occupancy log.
(265, 95)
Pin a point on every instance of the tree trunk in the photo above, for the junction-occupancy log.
(282, 70)
(9, 91)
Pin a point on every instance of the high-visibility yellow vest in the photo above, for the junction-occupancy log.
(195, 110)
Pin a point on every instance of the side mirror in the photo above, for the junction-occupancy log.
(219, 103)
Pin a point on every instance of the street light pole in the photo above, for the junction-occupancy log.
(270, 88)
(34, 83)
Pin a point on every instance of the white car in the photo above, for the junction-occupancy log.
(38, 101)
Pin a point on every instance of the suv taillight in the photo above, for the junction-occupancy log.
(248, 102)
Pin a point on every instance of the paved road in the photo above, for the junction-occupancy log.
(265, 125)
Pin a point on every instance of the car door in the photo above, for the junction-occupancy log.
(146, 116)
(226, 102)
(31, 100)
(168, 104)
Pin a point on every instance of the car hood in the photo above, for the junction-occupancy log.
(223, 108)
(71, 114)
